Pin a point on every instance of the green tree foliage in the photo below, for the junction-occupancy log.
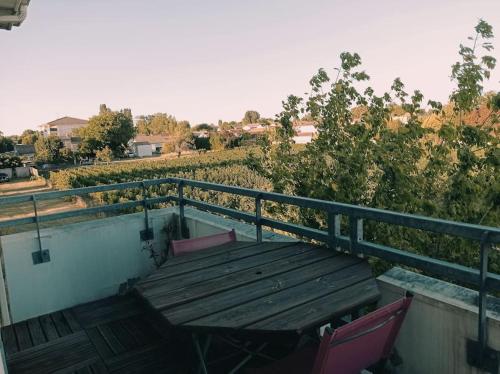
(8, 161)
(104, 155)
(159, 124)
(204, 126)
(251, 116)
(107, 129)
(48, 150)
(6, 144)
(29, 137)
(449, 172)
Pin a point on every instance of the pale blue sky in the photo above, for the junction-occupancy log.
(209, 60)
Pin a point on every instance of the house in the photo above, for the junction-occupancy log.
(305, 131)
(142, 149)
(25, 151)
(156, 142)
(64, 128)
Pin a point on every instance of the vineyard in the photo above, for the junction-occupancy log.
(224, 167)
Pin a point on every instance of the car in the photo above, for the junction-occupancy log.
(4, 177)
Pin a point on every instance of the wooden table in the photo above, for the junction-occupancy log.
(269, 287)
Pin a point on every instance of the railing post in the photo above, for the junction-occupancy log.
(258, 215)
(147, 233)
(483, 273)
(333, 230)
(182, 219)
(42, 255)
(355, 233)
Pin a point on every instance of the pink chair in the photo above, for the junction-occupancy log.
(349, 349)
(181, 247)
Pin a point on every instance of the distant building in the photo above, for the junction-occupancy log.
(156, 142)
(305, 131)
(25, 151)
(64, 128)
(142, 149)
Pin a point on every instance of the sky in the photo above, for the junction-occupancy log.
(203, 61)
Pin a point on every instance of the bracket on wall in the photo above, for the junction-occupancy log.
(40, 257)
(489, 360)
(147, 234)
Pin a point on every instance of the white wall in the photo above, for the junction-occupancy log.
(89, 261)
(23, 172)
(143, 150)
(440, 319)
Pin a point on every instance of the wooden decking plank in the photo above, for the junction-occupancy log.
(110, 338)
(23, 335)
(254, 311)
(323, 309)
(217, 250)
(164, 300)
(99, 343)
(36, 332)
(205, 274)
(48, 327)
(140, 330)
(60, 324)
(99, 368)
(146, 359)
(69, 353)
(234, 297)
(216, 260)
(109, 311)
(123, 335)
(73, 324)
(9, 340)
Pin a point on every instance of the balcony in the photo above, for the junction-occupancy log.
(70, 287)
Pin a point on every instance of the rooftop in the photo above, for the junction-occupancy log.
(12, 13)
(65, 121)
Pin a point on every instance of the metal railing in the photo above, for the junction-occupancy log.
(354, 242)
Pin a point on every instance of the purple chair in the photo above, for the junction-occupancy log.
(181, 247)
(349, 349)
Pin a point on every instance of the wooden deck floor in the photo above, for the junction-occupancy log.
(113, 335)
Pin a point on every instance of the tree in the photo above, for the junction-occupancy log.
(107, 129)
(183, 138)
(251, 116)
(450, 171)
(48, 149)
(158, 124)
(8, 161)
(6, 144)
(29, 137)
(203, 126)
(104, 155)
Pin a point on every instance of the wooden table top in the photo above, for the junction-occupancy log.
(266, 287)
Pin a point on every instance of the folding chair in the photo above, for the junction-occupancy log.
(358, 345)
(181, 247)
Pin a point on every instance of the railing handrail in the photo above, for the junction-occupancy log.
(436, 225)
(354, 242)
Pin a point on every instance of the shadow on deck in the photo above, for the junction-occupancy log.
(113, 335)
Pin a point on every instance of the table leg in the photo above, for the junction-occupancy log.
(201, 352)
(248, 358)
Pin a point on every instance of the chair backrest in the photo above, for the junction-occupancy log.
(363, 342)
(180, 247)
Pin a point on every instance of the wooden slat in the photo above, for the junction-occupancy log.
(164, 300)
(23, 336)
(73, 324)
(48, 327)
(234, 297)
(108, 310)
(147, 359)
(323, 309)
(140, 330)
(9, 340)
(99, 343)
(122, 334)
(217, 250)
(36, 331)
(110, 338)
(69, 353)
(213, 272)
(224, 257)
(60, 324)
(254, 311)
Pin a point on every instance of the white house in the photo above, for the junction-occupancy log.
(142, 149)
(305, 131)
(64, 128)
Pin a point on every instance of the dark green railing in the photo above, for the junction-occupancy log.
(354, 242)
